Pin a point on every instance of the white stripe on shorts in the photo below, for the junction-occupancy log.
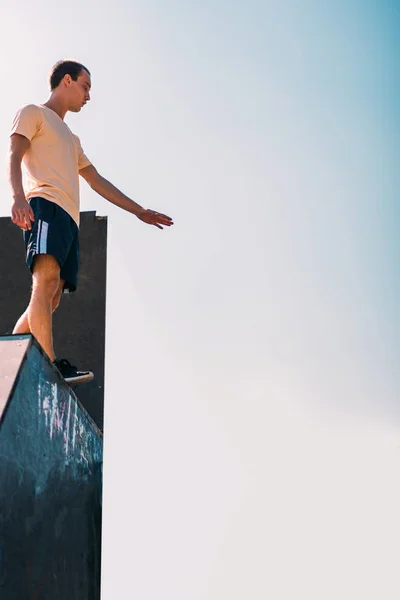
(42, 238)
(36, 248)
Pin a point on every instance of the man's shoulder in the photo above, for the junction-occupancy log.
(28, 121)
(30, 110)
(31, 107)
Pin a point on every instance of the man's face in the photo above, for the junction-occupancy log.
(79, 91)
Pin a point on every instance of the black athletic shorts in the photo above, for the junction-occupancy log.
(54, 232)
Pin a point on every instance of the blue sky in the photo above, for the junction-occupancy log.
(253, 349)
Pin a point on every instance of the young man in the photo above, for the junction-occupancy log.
(47, 210)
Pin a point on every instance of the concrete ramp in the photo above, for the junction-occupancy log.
(50, 481)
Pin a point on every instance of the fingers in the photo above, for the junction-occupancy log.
(164, 219)
(155, 218)
(22, 218)
(160, 218)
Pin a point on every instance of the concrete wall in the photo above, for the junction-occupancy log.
(79, 323)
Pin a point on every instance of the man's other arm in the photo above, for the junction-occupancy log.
(21, 212)
(108, 191)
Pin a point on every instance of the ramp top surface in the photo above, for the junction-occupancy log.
(13, 349)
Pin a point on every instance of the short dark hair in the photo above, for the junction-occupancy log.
(65, 67)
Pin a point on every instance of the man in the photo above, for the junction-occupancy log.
(47, 207)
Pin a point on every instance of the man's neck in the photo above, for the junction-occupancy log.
(57, 106)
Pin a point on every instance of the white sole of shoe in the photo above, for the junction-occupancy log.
(84, 378)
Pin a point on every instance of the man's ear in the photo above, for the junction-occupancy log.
(67, 80)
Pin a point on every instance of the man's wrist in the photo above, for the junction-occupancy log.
(19, 197)
(137, 209)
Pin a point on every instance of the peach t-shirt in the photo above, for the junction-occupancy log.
(54, 158)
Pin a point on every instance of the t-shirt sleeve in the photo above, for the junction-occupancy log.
(27, 121)
(83, 160)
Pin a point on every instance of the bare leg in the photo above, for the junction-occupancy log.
(46, 284)
(22, 325)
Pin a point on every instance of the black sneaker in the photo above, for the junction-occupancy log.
(71, 374)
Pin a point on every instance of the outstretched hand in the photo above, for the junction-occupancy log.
(154, 218)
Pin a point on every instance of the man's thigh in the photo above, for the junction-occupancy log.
(52, 232)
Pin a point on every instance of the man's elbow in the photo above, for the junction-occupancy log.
(14, 154)
(92, 177)
(13, 160)
(97, 183)
(17, 147)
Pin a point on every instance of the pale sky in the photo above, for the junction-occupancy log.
(252, 418)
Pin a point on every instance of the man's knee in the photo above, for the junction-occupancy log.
(46, 275)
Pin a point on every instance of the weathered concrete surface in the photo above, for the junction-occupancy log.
(50, 483)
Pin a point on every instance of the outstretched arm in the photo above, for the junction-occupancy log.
(106, 189)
